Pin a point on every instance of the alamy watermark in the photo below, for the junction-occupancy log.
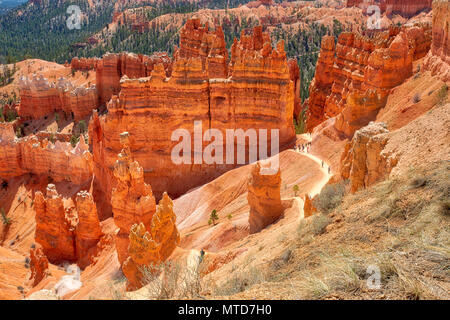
(74, 20)
(213, 153)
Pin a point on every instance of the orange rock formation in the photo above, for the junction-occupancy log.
(163, 228)
(38, 265)
(144, 253)
(88, 231)
(41, 157)
(256, 93)
(198, 41)
(112, 67)
(55, 226)
(132, 199)
(364, 161)
(438, 59)
(264, 198)
(148, 248)
(354, 78)
(84, 64)
(308, 207)
(66, 232)
(39, 98)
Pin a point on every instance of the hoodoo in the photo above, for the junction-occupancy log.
(255, 91)
(264, 198)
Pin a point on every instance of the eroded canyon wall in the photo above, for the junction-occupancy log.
(113, 66)
(406, 8)
(37, 155)
(257, 93)
(364, 162)
(39, 98)
(438, 59)
(354, 77)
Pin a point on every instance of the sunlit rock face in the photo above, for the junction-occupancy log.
(66, 232)
(264, 198)
(364, 162)
(88, 231)
(132, 199)
(354, 77)
(37, 155)
(149, 248)
(39, 98)
(55, 226)
(438, 59)
(113, 66)
(250, 90)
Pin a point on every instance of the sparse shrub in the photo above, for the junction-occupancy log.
(82, 126)
(4, 184)
(442, 95)
(416, 98)
(74, 140)
(229, 216)
(213, 217)
(240, 282)
(6, 221)
(314, 226)
(319, 223)
(170, 280)
(330, 197)
(11, 115)
(295, 188)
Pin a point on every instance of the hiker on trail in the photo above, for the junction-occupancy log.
(322, 163)
(329, 170)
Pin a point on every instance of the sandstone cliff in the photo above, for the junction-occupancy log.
(84, 64)
(264, 198)
(149, 248)
(112, 67)
(67, 232)
(55, 226)
(88, 231)
(198, 41)
(256, 93)
(39, 98)
(364, 162)
(354, 78)
(144, 256)
(37, 155)
(132, 199)
(438, 59)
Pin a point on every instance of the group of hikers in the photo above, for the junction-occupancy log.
(303, 147)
